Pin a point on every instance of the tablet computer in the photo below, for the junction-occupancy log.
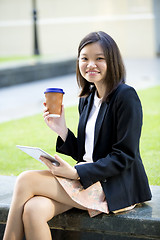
(36, 152)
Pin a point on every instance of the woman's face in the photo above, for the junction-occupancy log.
(92, 63)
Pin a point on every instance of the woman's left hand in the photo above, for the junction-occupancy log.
(63, 170)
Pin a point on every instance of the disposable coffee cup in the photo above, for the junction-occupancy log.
(54, 98)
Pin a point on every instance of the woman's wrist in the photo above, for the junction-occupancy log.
(76, 176)
(64, 134)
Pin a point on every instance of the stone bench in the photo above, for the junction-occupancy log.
(143, 222)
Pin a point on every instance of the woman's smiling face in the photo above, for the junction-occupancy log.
(92, 63)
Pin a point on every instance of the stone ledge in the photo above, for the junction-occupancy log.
(18, 74)
(137, 224)
(143, 222)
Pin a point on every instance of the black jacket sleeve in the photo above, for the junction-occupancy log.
(69, 147)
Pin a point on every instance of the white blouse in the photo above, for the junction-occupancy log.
(90, 129)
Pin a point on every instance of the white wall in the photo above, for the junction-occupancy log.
(62, 24)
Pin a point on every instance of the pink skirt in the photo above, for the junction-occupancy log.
(92, 198)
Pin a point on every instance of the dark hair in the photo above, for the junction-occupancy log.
(115, 67)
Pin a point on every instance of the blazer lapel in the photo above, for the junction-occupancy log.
(102, 112)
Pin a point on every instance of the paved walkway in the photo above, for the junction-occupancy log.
(27, 99)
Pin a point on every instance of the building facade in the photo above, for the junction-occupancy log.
(62, 24)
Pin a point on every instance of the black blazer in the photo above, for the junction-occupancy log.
(116, 158)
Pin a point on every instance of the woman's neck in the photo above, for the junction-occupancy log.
(101, 90)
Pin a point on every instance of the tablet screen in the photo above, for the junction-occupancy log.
(36, 152)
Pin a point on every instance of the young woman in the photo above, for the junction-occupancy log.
(109, 175)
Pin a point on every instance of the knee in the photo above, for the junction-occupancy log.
(34, 211)
(23, 182)
(29, 212)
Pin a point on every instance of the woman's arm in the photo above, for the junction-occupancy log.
(58, 125)
(70, 145)
(65, 136)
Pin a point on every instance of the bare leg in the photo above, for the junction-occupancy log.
(37, 212)
(30, 184)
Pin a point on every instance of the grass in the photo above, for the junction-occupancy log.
(12, 59)
(32, 131)
(29, 131)
(150, 140)
(17, 58)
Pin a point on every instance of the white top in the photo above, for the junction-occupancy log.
(90, 129)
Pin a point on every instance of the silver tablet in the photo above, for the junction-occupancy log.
(36, 152)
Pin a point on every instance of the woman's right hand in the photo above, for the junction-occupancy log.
(58, 125)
